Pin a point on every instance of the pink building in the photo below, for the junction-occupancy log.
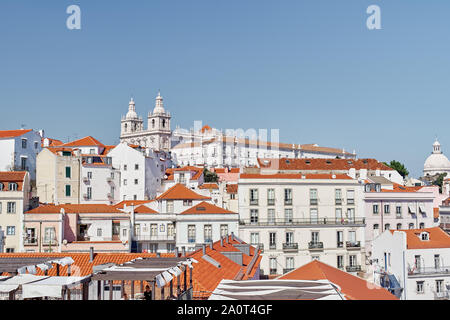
(76, 228)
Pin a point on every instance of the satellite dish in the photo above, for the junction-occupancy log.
(65, 242)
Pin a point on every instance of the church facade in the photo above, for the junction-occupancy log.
(158, 133)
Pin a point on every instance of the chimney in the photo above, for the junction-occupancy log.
(211, 245)
(183, 251)
(221, 241)
(176, 252)
(204, 249)
(232, 236)
(91, 254)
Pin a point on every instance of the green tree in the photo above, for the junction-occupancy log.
(210, 176)
(399, 167)
(439, 181)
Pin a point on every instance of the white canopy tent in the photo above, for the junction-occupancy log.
(51, 287)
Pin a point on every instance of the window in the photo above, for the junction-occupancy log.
(289, 263)
(170, 229)
(350, 196)
(399, 226)
(288, 196)
(314, 237)
(314, 216)
(253, 216)
(338, 196)
(439, 286)
(254, 238)
(10, 207)
(313, 197)
(68, 172)
(136, 181)
(270, 197)
(417, 263)
(272, 240)
(24, 143)
(124, 182)
(9, 250)
(124, 232)
(340, 262)
(352, 237)
(89, 193)
(50, 235)
(375, 209)
(387, 209)
(340, 239)
(351, 215)
(424, 236)
(339, 215)
(254, 196)
(1, 186)
(89, 175)
(232, 196)
(135, 197)
(12, 186)
(68, 191)
(271, 216)
(411, 226)
(289, 238)
(10, 230)
(273, 265)
(153, 229)
(99, 232)
(36, 145)
(125, 167)
(136, 167)
(419, 287)
(376, 226)
(169, 206)
(0, 207)
(288, 216)
(191, 233)
(352, 260)
(208, 232)
(398, 211)
(387, 226)
(422, 225)
(92, 151)
(187, 202)
(437, 261)
(223, 230)
(23, 163)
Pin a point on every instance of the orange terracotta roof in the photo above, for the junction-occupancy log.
(438, 238)
(321, 164)
(12, 176)
(209, 186)
(399, 188)
(205, 128)
(52, 142)
(436, 213)
(130, 203)
(86, 141)
(75, 208)
(294, 176)
(13, 133)
(353, 287)
(144, 209)
(196, 170)
(107, 149)
(180, 192)
(232, 188)
(81, 265)
(206, 208)
(58, 149)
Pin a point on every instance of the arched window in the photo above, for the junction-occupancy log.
(153, 123)
(164, 123)
(399, 226)
(422, 225)
(411, 226)
(375, 226)
(126, 127)
(387, 226)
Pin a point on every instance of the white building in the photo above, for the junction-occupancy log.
(296, 218)
(141, 170)
(437, 162)
(191, 177)
(179, 218)
(158, 133)
(418, 258)
(19, 149)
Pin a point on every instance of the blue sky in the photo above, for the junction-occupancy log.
(310, 68)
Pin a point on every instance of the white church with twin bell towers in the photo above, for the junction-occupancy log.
(158, 133)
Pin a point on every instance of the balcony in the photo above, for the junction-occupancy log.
(290, 247)
(338, 202)
(287, 270)
(443, 295)
(287, 202)
(254, 202)
(315, 246)
(313, 202)
(30, 242)
(305, 221)
(272, 246)
(353, 268)
(48, 242)
(340, 244)
(157, 238)
(350, 201)
(259, 246)
(353, 245)
(428, 270)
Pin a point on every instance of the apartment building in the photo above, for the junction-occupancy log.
(418, 258)
(76, 228)
(296, 218)
(15, 196)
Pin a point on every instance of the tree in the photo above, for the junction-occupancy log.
(399, 167)
(210, 176)
(439, 181)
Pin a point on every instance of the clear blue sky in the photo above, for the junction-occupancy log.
(310, 68)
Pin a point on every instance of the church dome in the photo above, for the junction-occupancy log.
(131, 114)
(437, 161)
(159, 107)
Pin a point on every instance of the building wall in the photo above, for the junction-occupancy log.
(100, 184)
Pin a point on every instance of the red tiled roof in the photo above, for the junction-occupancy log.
(321, 164)
(438, 238)
(52, 142)
(232, 188)
(180, 192)
(75, 208)
(12, 176)
(206, 208)
(130, 203)
(197, 172)
(399, 188)
(13, 133)
(144, 209)
(353, 287)
(436, 213)
(209, 186)
(86, 141)
(55, 150)
(205, 128)
(294, 176)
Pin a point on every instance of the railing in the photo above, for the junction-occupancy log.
(313, 202)
(287, 202)
(53, 242)
(253, 202)
(350, 201)
(272, 246)
(286, 270)
(290, 246)
(340, 244)
(353, 244)
(338, 202)
(30, 242)
(315, 245)
(353, 268)
(259, 246)
(429, 270)
(156, 238)
(270, 202)
(443, 295)
(305, 221)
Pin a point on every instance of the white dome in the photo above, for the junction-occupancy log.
(437, 161)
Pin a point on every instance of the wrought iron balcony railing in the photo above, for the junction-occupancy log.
(315, 245)
(305, 221)
(290, 247)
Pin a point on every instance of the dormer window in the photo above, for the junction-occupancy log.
(425, 236)
(12, 186)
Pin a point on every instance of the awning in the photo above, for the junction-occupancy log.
(411, 208)
(50, 287)
(13, 283)
(422, 208)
